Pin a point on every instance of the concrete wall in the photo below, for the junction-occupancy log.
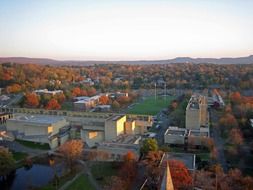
(91, 141)
(173, 139)
(113, 128)
(4, 117)
(63, 139)
(129, 127)
(120, 125)
(26, 128)
(192, 119)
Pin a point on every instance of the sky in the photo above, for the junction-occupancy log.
(125, 29)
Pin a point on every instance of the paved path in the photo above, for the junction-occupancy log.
(90, 176)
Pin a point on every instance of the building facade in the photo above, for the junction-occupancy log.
(40, 129)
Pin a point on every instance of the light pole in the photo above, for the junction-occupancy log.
(155, 91)
(165, 91)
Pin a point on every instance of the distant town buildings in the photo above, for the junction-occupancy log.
(46, 91)
(4, 117)
(84, 103)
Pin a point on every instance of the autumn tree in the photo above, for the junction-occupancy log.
(152, 170)
(235, 136)
(32, 100)
(236, 97)
(76, 91)
(72, 151)
(227, 122)
(180, 175)
(7, 163)
(115, 105)
(116, 183)
(123, 100)
(129, 157)
(53, 105)
(129, 167)
(149, 144)
(173, 105)
(103, 100)
(60, 97)
(91, 91)
(14, 88)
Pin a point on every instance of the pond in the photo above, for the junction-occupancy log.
(36, 176)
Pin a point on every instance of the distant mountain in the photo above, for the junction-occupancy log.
(44, 61)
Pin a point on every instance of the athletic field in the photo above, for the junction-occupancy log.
(150, 105)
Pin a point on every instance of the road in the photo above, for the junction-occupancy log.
(218, 141)
(164, 123)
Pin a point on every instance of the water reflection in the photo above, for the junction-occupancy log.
(36, 176)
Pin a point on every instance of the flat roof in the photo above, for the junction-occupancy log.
(198, 133)
(187, 158)
(42, 119)
(176, 131)
(116, 117)
(4, 113)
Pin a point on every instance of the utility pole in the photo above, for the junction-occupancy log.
(165, 90)
(155, 91)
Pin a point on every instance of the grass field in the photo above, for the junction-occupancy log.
(82, 182)
(150, 105)
(67, 106)
(103, 170)
(34, 145)
(19, 155)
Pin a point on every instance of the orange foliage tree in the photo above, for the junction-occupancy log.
(53, 105)
(228, 121)
(236, 97)
(180, 175)
(91, 92)
(32, 99)
(104, 100)
(71, 150)
(236, 136)
(13, 88)
(76, 91)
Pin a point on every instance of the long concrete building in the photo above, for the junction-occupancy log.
(41, 129)
(93, 128)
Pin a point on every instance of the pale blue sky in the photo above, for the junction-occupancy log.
(125, 29)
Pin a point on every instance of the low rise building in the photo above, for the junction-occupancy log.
(52, 130)
(114, 126)
(175, 135)
(197, 137)
(85, 103)
(49, 92)
(4, 117)
(118, 147)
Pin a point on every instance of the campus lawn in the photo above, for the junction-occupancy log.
(19, 155)
(34, 145)
(102, 171)
(82, 182)
(150, 105)
(67, 106)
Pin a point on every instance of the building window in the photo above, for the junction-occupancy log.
(93, 135)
